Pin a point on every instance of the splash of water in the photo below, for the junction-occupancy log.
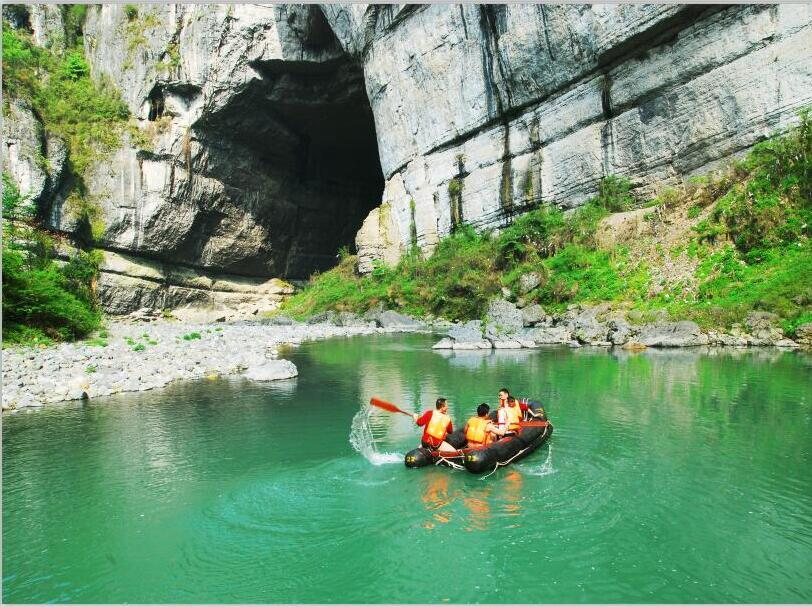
(543, 469)
(363, 442)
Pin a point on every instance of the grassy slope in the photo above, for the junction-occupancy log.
(716, 249)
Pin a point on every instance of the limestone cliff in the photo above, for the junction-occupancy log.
(267, 133)
(483, 110)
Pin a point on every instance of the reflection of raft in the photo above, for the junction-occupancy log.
(531, 435)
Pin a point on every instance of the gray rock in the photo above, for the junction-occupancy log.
(786, 343)
(532, 315)
(219, 187)
(482, 344)
(272, 370)
(504, 319)
(547, 335)
(803, 335)
(389, 319)
(281, 321)
(471, 331)
(529, 281)
(444, 344)
(672, 334)
(348, 319)
(763, 328)
(527, 343)
(620, 331)
(586, 329)
(725, 339)
(507, 344)
(323, 318)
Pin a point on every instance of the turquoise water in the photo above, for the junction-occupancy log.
(672, 476)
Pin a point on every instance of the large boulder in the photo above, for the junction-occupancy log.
(470, 331)
(532, 315)
(482, 344)
(620, 331)
(272, 370)
(672, 334)
(803, 335)
(280, 320)
(504, 320)
(529, 281)
(390, 319)
(588, 330)
(764, 329)
(548, 335)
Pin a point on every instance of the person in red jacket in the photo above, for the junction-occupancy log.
(437, 425)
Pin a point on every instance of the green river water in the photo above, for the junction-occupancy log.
(672, 476)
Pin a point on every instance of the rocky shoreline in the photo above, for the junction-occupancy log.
(511, 327)
(144, 351)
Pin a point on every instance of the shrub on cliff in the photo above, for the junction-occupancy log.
(90, 117)
(42, 301)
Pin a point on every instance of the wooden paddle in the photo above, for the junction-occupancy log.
(386, 406)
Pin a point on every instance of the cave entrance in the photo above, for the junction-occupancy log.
(336, 163)
(298, 149)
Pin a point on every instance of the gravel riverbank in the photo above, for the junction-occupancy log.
(133, 356)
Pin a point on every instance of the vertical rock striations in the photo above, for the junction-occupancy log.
(266, 136)
(542, 101)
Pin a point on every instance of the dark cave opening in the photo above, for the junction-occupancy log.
(298, 149)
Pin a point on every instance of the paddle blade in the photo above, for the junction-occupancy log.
(387, 406)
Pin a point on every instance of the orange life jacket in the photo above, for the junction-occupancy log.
(514, 416)
(438, 425)
(476, 432)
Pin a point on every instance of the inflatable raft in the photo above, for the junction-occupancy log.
(531, 435)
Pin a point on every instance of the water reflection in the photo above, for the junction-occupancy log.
(474, 505)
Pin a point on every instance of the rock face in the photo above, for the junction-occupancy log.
(253, 151)
(268, 136)
(483, 110)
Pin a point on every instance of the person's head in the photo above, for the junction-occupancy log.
(511, 401)
(441, 405)
(482, 410)
(504, 394)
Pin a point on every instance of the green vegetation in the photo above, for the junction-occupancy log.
(131, 10)
(749, 251)
(89, 117)
(191, 336)
(42, 300)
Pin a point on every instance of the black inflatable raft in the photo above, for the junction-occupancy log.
(531, 435)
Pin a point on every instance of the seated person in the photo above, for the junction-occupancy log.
(437, 426)
(512, 414)
(480, 430)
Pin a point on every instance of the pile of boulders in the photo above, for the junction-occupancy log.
(508, 326)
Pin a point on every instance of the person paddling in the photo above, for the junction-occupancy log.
(480, 430)
(437, 426)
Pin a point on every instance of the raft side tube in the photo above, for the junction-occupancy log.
(418, 458)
